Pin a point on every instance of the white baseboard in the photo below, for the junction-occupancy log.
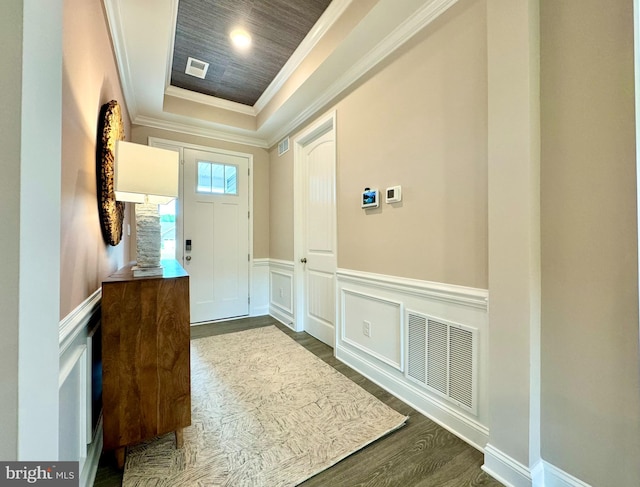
(505, 469)
(88, 474)
(467, 430)
(555, 477)
(284, 318)
(514, 474)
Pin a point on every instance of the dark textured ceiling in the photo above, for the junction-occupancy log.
(202, 31)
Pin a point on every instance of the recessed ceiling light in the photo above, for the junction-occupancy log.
(240, 38)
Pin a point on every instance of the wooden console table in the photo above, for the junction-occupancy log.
(145, 357)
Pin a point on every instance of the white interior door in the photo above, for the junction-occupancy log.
(316, 163)
(216, 233)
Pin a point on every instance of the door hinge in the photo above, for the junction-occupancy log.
(248, 257)
(248, 214)
(249, 299)
(248, 171)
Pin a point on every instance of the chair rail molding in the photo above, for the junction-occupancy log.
(450, 293)
(78, 319)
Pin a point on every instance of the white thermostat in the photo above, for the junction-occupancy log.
(394, 194)
(370, 198)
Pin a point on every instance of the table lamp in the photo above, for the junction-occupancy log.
(148, 177)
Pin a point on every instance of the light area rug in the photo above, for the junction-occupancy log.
(265, 412)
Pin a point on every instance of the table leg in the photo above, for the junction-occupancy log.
(179, 438)
(120, 457)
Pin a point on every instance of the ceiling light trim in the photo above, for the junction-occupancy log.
(329, 17)
(115, 22)
(401, 34)
(200, 132)
(209, 100)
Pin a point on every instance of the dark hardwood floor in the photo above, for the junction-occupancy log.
(419, 454)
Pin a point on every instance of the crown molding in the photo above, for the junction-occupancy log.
(324, 23)
(401, 34)
(114, 19)
(172, 42)
(209, 100)
(208, 133)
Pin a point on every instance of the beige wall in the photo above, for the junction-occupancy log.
(421, 122)
(260, 177)
(281, 205)
(10, 100)
(90, 79)
(590, 383)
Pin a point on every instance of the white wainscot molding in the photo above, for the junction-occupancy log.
(259, 287)
(80, 435)
(411, 337)
(281, 291)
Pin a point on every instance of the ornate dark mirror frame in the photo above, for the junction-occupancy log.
(111, 212)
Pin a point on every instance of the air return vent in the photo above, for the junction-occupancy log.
(196, 68)
(283, 146)
(442, 357)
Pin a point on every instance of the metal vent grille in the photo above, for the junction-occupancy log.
(442, 357)
(461, 366)
(437, 356)
(196, 68)
(417, 348)
(283, 146)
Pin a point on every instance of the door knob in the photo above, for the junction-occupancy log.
(303, 260)
(188, 257)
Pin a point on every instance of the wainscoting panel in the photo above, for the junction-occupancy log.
(322, 296)
(259, 288)
(72, 438)
(281, 289)
(80, 434)
(373, 326)
(424, 342)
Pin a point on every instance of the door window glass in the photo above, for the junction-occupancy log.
(217, 178)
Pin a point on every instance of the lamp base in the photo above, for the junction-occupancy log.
(147, 271)
(148, 240)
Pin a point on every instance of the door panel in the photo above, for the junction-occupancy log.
(217, 223)
(319, 211)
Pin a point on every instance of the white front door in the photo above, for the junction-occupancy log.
(216, 233)
(316, 164)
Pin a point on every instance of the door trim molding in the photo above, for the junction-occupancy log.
(322, 125)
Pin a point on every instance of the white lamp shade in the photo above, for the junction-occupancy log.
(145, 174)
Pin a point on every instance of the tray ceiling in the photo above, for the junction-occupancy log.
(346, 41)
(203, 27)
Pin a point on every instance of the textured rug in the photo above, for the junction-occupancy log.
(265, 412)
